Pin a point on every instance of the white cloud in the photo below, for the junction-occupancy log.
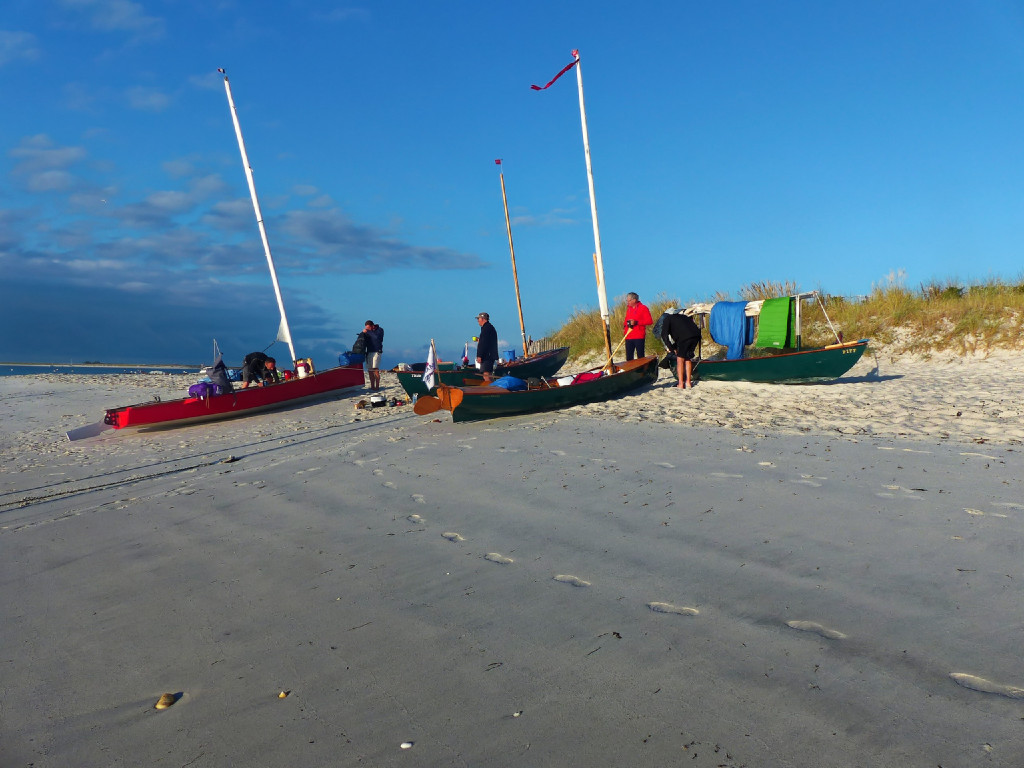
(147, 99)
(37, 153)
(119, 16)
(17, 45)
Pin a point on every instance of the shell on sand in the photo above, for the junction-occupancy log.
(166, 700)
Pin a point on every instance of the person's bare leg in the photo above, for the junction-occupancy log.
(688, 365)
(681, 372)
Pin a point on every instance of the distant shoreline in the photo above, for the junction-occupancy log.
(100, 365)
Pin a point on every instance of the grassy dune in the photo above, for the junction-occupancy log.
(938, 317)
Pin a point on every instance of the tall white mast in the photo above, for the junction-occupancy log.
(602, 295)
(283, 332)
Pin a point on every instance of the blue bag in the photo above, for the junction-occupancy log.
(511, 383)
(351, 358)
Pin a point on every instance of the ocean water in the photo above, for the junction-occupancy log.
(90, 370)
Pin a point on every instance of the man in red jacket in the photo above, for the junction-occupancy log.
(634, 326)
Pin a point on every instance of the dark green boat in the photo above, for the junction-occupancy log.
(783, 359)
(539, 366)
(804, 366)
(485, 402)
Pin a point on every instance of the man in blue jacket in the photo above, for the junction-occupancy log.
(487, 346)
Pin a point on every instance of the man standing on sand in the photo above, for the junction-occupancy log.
(634, 326)
(681, 335)
(487, 347)
(374, 349)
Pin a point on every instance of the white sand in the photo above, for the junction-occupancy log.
(831, 580)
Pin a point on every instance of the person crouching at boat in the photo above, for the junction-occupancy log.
(634, 326)
(681, 336)
(260, 368)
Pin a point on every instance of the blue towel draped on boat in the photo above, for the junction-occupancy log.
(731, 328)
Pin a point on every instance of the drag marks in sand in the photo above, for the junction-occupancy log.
(987, 686)
(817, 629)
(679, 610)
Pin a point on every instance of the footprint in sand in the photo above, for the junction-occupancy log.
(726, 474)
(495, 557)
(558, 453)
(418, 498)
(378, 472)
(452, 536)
(816, 628)
(665, 464)
(311, 469)
(388, 484)
(679, 610)
(766, 463)
(574, 580)
(987, 686)
(415, 519)
(975, 512)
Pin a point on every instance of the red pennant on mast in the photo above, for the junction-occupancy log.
(497, 162)
(566, 68)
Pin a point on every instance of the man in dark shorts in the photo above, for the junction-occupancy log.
(681, 335)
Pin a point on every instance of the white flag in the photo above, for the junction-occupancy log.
(282, 332)
(431, 369)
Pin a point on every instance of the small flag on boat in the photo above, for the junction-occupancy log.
(566, 68)
(283, 333)
(430, 371)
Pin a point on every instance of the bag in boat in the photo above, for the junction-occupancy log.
(219, 379)
(587, 376)
(202, 390)
(351, 358)
(511, 383)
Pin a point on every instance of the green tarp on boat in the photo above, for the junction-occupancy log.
(775, 323)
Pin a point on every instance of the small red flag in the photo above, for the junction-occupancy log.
(497, 162)
(566, 68)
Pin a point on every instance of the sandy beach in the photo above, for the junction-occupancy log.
(734, 575)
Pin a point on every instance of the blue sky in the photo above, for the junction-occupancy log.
(829, 144)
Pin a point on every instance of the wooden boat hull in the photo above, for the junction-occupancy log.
(241, 402)
(492, 402)
(805, 366)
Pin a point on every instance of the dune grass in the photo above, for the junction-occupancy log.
(937, 317)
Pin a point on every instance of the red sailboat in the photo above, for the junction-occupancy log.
(307, 385)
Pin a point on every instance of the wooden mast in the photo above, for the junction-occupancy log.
(512, 251)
